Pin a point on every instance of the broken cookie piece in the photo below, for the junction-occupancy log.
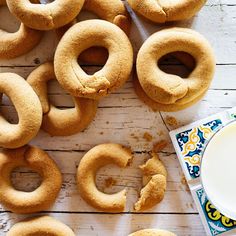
(154, 182)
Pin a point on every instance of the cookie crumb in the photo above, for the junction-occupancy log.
(160, 133)
(184, 182)
(171, 121)
(148, 137)
(159, 146)
(109, 182)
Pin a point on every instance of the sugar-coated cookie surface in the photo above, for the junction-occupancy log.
(42, 225)
(60, 122)
(154, 182)
(42, 197)
(28, 108)
(97, 157)
(162, 11)
(152, 232)
(18, 43)
(169, 89)
(45, 16)
(87, 34)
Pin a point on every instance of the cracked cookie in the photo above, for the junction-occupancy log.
(154, 182)
(97, 157)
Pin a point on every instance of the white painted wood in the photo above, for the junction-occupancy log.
(122, 118)
(119, 225)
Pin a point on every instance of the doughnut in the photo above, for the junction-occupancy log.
(165, 10)
(19, 43)
(152, 232)
(97, 157)
(45, 16)
(84, 35)
(42, 225)
(58, 122)
(171, 89)
(113, 11)
(154, 182)
(28, 108)
(41, 198)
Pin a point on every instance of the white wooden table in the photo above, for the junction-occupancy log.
(122, 118)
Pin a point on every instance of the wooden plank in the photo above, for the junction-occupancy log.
(219, 28)
(118, 225)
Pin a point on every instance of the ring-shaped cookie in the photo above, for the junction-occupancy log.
(172, 89)
(93, 160)
(19, 43)
(84, 35)
(58, 122)
(164, 10)
(45, 16)
(152, 232)
(42, 197)
(113, 11)
(28, 108)
(42, 225)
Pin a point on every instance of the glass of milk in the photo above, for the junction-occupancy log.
(218, 170)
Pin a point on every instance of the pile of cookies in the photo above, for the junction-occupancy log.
(90, 41)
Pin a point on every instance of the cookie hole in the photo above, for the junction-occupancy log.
(41, 1)
(177, 63)
(25, 179)
(8, 110)
(58, 97)
(96, 56)
(12, 25)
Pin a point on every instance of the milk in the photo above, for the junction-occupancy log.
(218, 170)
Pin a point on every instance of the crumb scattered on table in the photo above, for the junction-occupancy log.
(159, 146)
(184, 182)
(171, 121)
(148, 137)
(109, 182)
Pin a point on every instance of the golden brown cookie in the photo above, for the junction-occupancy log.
(45, 16)
(42, 197)
(152, 232)
(16, 44)
(28, 108)
(154, 182)
(92, 161)
(155, 106)
(172, 89)
(42, 225)
(84, 35)
(162, 11)
(113, 11)
(57, 121)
